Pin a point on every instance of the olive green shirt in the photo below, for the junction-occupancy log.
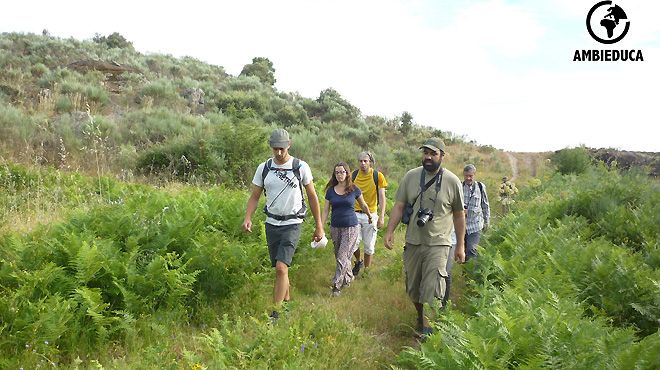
(437, 231)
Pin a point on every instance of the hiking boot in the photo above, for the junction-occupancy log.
(425, 334)
(357, 267)
(335, 292)
(274, 316)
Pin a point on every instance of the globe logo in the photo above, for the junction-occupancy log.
(607, 23)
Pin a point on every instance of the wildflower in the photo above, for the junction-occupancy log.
(46, 342)
(302, 348)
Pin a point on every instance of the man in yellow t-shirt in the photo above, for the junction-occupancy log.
(374, 195)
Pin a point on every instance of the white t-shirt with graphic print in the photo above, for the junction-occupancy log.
(282, 190)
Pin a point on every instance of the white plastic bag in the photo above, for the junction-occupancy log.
(320, 244)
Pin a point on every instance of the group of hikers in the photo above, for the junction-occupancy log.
(431, 200)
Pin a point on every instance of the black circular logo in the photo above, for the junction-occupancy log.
(608, 19)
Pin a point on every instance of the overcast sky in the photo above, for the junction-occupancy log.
(500, 72)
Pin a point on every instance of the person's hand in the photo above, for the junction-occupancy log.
(319, 233)
(389, 240)
(459, 254)
(371, 220)
(380, 223)
(247, 225)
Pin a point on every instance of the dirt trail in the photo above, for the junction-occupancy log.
(375, 303)
(514, 165)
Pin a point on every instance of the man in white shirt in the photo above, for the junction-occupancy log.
(283, 177)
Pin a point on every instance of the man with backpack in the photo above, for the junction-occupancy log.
(372, 183)
(429, 201)
(283, 177)
(477, 218)
(477, 210)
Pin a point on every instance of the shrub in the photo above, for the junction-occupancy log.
(39, 70)
(150, 126)
(285, 114)
(333, 107)
(226, 153)
(114, 40)
(262, 68)
(243, 105)
(15, 125)
(575, 160)
(182, 159)
(161, 89)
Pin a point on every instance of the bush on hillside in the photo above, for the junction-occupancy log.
(182, 159)
(146, 127)
(284, 113)
(15, 125)
(225, 153)
(572, 161)
(113, 40)
(262, 68)
(243, 105)
(333, 107)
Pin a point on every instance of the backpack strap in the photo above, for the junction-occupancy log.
(484, 196)
(265, 171)
(295, 168)
(376, 183)
(296, 172)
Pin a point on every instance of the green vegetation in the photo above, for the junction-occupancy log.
(574, 160)
(146, 112)
(568, 280)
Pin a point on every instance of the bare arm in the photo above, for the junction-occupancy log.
(319, 233)
(381, 207)
(395, 218)
(253, 201)
(326, 212)
(459, 226)
(364, 206)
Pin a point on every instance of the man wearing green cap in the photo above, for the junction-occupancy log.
(430, 201)
(282, 178)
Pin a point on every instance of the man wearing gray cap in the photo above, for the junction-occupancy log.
(283, 178)
(429, 200)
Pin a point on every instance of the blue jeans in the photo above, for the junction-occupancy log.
(471, 242)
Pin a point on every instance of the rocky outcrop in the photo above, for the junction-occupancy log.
(110, 68)
(195, 98)
(113, 71)
(626, 159)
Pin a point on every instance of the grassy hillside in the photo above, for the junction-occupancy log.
(103, 108)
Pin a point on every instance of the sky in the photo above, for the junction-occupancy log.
(499, 72)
